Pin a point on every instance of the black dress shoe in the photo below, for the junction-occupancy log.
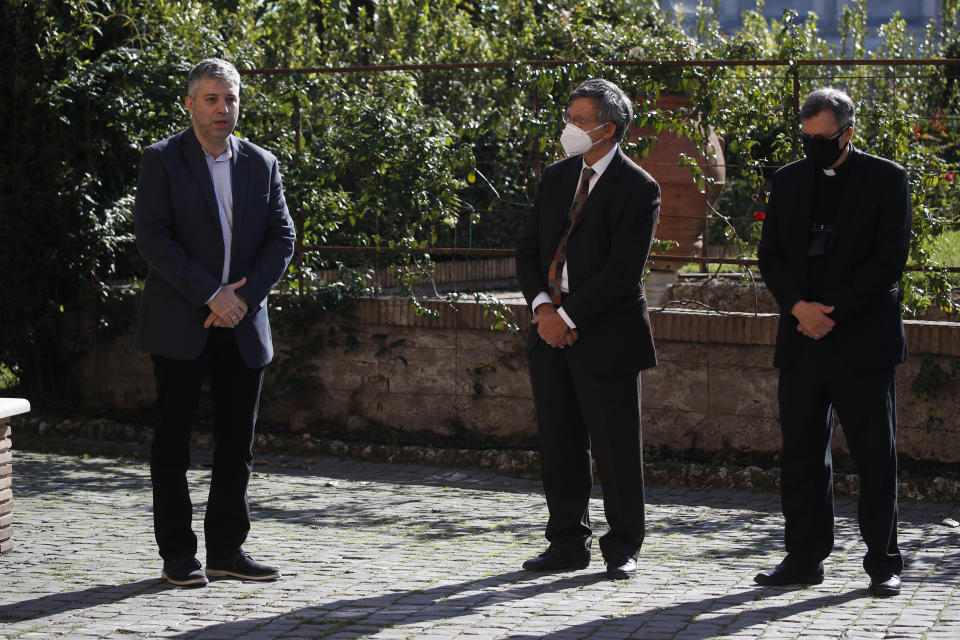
(184, 571)
(242, 567)
(552, 560)
(885, 585)
(791, 573)
(622, 569)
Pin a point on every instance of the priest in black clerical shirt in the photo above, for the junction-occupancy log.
(834, 244)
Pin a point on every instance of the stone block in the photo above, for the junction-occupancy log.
(670, 429)
(6, 481)
(499, 341)
(6, 456)
(680, 386)
(5, 444)
(740, 433)
(424, 371)
(6, 507)
(675, 351)
(492, 373)
(338, 371)
(502, 420)
(6, 494)
(6, 545)
(422, 413)
(6, 519)
(741, 355)
(5, 429)
(421, 338)
(743, 391)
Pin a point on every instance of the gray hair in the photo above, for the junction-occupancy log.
(836, 101)
(613, 105)
(212, 68)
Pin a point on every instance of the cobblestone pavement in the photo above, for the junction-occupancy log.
(392, 551)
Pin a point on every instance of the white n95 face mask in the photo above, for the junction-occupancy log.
(575, 140)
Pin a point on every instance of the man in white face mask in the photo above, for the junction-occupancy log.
(580, 262)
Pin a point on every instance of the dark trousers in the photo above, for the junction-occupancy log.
(809, 390)
(579, 413)
(235, 391)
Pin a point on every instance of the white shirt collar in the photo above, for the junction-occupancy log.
(226, 155)
(601, 165)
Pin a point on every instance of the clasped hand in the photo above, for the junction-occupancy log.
(812, 318)
(552, 328)
(227, 308)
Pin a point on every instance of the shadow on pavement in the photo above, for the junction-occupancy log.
(57, 603)
(689, 616)
(380, 612)
(698, 619)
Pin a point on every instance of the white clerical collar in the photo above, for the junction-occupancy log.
(829, 172)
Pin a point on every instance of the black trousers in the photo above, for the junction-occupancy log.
(578, 414)
(235, 391)
(818, 382)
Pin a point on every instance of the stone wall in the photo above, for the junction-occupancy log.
(375, 370)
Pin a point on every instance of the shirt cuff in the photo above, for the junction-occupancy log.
(566, 318)
(542, 298)
(213, 296)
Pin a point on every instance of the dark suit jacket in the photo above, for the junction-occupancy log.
(178, 233)
(864, 259)
(606, 254)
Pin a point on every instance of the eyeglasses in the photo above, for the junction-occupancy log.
(577, 120)
(837, 134)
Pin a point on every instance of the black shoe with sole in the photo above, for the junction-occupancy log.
(553, 560)
(622, 568)
(885, 585)
(243, 567)
(184, 571)
(791, 573)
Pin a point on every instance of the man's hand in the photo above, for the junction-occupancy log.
(551, 327)
(813, 319)
(227, 309)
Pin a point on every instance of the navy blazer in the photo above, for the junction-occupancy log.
(178, 233)
(865, 256)
(607, 252)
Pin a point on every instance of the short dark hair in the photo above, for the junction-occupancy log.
(836, 101)
(212, 68)
(613, 105)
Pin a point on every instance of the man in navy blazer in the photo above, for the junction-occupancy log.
(212, 223)
(835, 241)
(580, 262)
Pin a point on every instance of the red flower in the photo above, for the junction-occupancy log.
(759, 215)
(949, 177)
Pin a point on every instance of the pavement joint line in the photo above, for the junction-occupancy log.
(409, 551)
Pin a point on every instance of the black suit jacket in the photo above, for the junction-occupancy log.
(606, 253)
(864, 259)
(179, 235)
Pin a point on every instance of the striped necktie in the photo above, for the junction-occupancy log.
(560, 257)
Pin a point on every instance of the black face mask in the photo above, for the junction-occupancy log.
(822, 152)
